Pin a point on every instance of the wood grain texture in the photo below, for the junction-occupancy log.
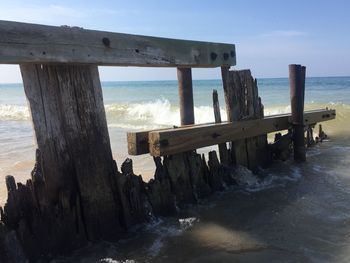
(71, 132)
(30, 43)
(182, 139)
(223, 152)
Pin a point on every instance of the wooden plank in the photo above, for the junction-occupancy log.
(138, 140)
(172, 141)
(30, 43)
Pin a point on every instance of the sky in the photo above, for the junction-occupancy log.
(268, 34)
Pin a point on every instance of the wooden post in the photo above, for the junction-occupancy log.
(72, 136)
(243, 102)
(184, 76)
(297, 89)
(224, 156)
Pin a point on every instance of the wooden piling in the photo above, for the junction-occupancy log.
(297, 90)
(223, 153)
(184, 76)
(75, 158)
(243, 103)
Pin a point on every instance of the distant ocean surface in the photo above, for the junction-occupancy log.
(154, 104)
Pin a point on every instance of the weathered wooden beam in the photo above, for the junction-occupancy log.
(138, 140)
(182, 139)
(30, 43)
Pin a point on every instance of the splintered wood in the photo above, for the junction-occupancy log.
(244, 103)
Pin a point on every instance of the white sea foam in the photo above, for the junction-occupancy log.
(13, 112)
(110, 260)
(154, 114)
(187, 223)
(266, 179)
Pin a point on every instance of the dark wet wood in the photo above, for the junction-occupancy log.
(297, 93)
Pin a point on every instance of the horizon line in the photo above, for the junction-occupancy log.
(308, 77)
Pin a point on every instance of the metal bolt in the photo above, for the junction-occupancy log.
(106, 41)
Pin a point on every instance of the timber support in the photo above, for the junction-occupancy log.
(297, 94)
(76, 193)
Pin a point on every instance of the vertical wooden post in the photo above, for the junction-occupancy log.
(297, 89)
(184, 76)
(224, 156)
(243, 102)
(71, 131)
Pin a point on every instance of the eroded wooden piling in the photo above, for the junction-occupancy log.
(244, 103)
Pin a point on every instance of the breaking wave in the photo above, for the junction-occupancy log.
(161, 113)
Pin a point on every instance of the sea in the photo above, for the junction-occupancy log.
(294, 213)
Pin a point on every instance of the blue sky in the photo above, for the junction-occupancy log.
(268, 34)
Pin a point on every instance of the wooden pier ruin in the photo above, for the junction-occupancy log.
(76, 192)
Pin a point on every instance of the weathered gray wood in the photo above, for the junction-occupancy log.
(223, 152)
(182, 139)
(235, 109)
(184, 76)
(243, 103)
(29, 43)
(71, 131)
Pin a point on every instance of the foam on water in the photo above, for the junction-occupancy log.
(110, 260)
(13, 112)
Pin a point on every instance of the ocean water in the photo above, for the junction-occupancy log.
(296, 213)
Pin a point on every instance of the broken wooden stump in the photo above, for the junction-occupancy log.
(135, 206)
(159, 191)
(281, 147)
(243, 103)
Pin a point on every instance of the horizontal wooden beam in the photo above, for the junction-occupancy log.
(30, 43)
(170, 141)
(138, 141)
(173, 141)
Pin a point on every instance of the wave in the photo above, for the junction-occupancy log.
(14, 112)
(161, 113)
(153, 114)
